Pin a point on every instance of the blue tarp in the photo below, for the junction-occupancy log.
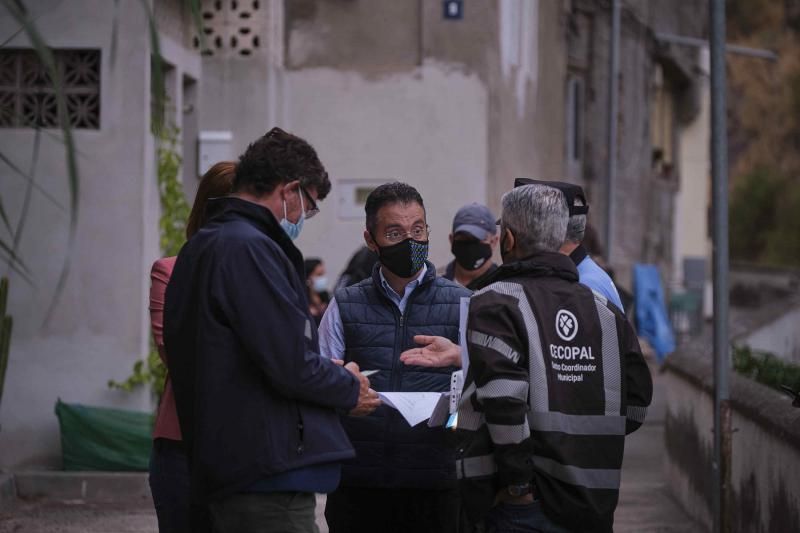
(652, 319)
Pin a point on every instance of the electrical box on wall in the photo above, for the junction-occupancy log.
(213, 147)
(352, 195)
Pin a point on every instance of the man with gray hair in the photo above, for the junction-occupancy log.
(589, 272)
(555, 382)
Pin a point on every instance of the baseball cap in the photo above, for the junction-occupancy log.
(570, 191)
(475, 219)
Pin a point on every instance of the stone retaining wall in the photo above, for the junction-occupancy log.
(766, 448)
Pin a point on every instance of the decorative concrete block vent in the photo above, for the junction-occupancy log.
(232, 27)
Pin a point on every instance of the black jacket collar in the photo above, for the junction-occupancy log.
(261, 218)
(578, 254)
(542, 264)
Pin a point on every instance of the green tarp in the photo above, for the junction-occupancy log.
(99, 438)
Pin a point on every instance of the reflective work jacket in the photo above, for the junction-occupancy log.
(556, 380)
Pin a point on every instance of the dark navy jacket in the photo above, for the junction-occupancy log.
(390, 453)
(253, 396)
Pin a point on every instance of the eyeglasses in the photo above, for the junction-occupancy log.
(314, 209)
(418, 233)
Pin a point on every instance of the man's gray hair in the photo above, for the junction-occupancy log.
(576, 228)
(537, 215)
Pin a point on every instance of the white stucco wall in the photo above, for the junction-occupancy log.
(426, 127)
(100, 326)
(780, 337)
(694, 195)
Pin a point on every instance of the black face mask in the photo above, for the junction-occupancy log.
(471, 254)
(405, 258)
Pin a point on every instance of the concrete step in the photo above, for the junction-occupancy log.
(83, 486)
(8, 492)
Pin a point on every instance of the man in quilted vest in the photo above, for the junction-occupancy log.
(403, 477)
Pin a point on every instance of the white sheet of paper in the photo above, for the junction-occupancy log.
(462, 334)
(415, 407)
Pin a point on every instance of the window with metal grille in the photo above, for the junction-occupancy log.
(28, 95)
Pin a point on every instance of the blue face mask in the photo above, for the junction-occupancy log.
(293, 229)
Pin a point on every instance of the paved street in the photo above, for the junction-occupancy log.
(644, 504)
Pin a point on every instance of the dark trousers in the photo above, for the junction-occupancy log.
(169, 484)
(525, 518)
(265, 512)
(369, 510)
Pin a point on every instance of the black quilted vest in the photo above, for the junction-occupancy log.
(390, 453)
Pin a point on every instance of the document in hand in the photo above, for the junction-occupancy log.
(415, 407)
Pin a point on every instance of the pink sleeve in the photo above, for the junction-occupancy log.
(159, 277)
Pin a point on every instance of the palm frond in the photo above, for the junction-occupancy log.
(112, 55)
(20, 15)
(21, 173)
(26, 201)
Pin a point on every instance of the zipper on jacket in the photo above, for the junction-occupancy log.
(300, 429)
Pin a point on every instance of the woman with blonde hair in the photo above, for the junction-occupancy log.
(169, 470)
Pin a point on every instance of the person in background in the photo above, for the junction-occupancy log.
(258, 407)
(403, 478)
(169, 468)
(589, 272)
(358, 268)
(472, 242)
(555, 382)
(317, 284)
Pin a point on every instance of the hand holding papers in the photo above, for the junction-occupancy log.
(368, 399)
(415, 407)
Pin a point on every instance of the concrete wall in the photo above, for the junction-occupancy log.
(766, 448)
(427, 128)
(391, 90)
(645, 213)
(96, 331)
(100, 326)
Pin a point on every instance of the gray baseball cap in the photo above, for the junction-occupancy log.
(475, 219)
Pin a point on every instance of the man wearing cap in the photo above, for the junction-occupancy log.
(472, 242)
(589, 272)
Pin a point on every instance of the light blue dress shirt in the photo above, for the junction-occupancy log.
(331, 330)
(594, 277)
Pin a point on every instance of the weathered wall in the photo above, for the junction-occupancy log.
(693, 198)
(391, 90)
(765, 448)
(100, 326)
(427, 128)
(241, 77)
(780, 337)
(96, 332)
(644, 203)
